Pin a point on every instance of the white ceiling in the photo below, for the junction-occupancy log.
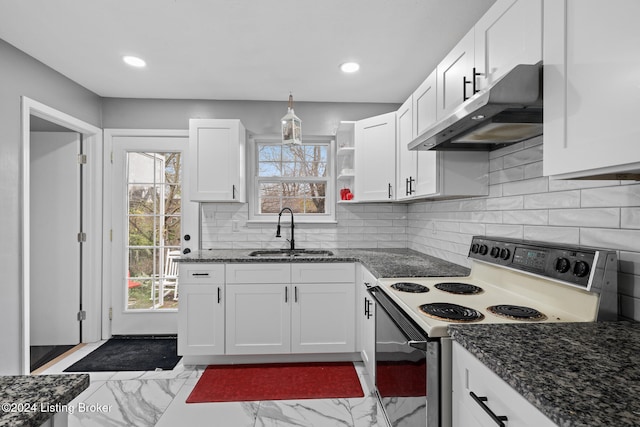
(242, 49)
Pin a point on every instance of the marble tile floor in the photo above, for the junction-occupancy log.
(144, 399)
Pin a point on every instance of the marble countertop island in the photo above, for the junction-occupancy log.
(577, 374)
(30, 400)
(380, 262)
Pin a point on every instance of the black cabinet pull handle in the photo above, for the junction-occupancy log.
(389, 190)
(475, 75)
(411, 181)
(200, 274)
(286, 294)
(219, 295)
(499, 419)
(233, 192)
(295, 293)
(465, 82)
(366, 307)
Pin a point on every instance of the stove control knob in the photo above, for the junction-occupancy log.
(474, 248)
(562, 265)
(505, 254)
(581, 269)
(483, 249)
(495, 252)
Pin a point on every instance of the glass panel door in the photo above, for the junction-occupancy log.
(153, 181)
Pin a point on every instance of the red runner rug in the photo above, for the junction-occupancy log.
(277, 381)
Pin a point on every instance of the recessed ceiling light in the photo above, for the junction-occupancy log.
(350, 67)
(134, 61)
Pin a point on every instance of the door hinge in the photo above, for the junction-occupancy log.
(82, 237)
(111, 157)
(82, 315)
(82, 159)
(110, 313)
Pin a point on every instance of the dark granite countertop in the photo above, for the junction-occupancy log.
(577, 374)
(380, 262)
(30, 400)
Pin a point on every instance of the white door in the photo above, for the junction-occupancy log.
(151, 216)
(55, 221)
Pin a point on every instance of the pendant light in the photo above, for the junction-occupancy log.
(291, 126)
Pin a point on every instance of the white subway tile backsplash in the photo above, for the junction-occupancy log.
(627, 240)
(567, 235)
(527, 186)
(504, 203)
(602, 217)
(523, 157)
(623, 195)
(560, 199)
(503, 230)
(630, 218)
(526, 217)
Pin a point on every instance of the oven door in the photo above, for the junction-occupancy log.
(407, 367)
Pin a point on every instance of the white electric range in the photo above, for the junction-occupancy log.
(510, 281)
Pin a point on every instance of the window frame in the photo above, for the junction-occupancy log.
(254, 183)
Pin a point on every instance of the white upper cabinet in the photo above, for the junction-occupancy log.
(455, 76)
(510, 33)
(407, 165)
(424, 115)
(375, 158)
(591, 89)
(217, 160)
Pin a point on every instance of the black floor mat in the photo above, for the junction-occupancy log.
(131, 353)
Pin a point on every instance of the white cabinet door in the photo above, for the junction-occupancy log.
(591, 90)
(201, 309)
(425, 115)
(323, 318)
(375, 158)
(452, 74)
(510, 33)
(217, 160)
(407, 160)
(201, 319)
(470, 375)
(258, 319)
(368, 324)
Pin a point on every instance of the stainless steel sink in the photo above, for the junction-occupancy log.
(286, 253)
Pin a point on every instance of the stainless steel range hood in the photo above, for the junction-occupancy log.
(509, 111)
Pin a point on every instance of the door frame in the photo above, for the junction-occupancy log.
(92, 220)
(107, 259)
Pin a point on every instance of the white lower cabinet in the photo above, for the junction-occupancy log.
(367, 323)
(492, 395)
(322, 318)
(312, 314)
(258, 319)
(201, 310)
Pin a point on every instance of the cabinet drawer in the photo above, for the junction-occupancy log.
(323, 272)
(194, 273)
(259, 273)
(471, 375)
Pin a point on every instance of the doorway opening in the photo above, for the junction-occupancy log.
(61, 232)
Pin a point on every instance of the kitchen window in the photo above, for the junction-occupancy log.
(299, 177)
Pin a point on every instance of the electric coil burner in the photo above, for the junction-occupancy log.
(459, 288)
(451, 312)
(516, 312)
(414, 288)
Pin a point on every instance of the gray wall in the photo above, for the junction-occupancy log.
(22, 75)
(259, 117)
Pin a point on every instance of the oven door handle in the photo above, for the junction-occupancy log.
(414, 337)
(420, 345)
